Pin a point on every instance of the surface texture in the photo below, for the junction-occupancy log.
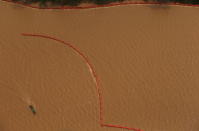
(145, 56)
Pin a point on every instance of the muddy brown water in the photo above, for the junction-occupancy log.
(146, 57)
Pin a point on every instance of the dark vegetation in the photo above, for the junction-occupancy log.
(68, 2)
(98, 2)
(194, 2)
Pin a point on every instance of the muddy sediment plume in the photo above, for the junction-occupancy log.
(145, 57)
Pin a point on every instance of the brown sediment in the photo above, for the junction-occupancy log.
(147, 61)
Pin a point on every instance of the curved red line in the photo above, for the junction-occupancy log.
(93, 73)
(98, 6)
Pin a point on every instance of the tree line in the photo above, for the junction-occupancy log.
(99, 2)
(175, 1)
(68, 2)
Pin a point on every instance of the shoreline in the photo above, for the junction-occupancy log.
(91, 6)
